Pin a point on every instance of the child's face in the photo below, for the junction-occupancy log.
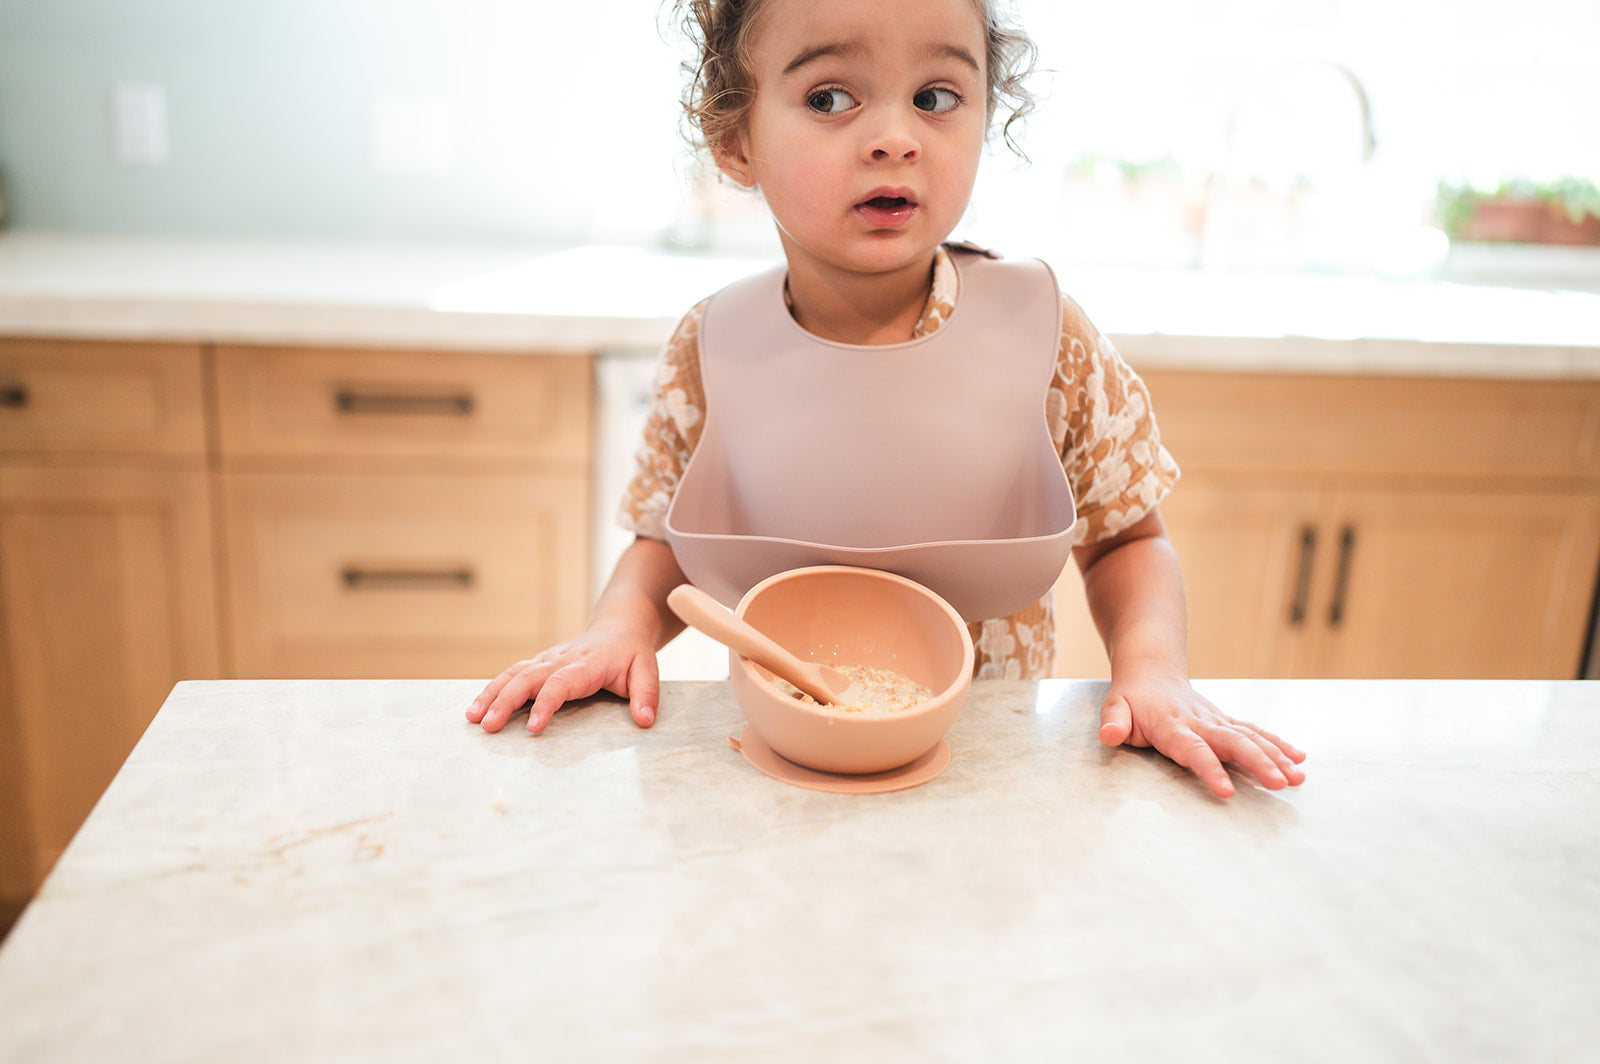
(867, 127)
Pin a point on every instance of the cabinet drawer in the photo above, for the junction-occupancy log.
(86, 397)
(406, 576)
(297, 402)
(1286, 423)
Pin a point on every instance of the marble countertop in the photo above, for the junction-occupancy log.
(585, 299)
(348, 871)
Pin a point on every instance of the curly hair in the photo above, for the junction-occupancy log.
(720, 88)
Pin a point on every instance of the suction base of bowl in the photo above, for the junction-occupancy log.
(914, 774)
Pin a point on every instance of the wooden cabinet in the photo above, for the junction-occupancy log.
(401, 514)
(107, 590)
(172, 511)
(1376, 527)
(1439, 582)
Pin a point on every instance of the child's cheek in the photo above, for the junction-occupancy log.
(808, 186)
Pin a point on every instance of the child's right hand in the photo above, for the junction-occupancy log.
(576, 669)
(616, 652)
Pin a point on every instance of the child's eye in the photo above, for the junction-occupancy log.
(936, 100)
(830, 101)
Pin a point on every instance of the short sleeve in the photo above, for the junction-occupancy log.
(674, 419)
(1100, 419)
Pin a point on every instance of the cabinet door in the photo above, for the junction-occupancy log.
(1249, 552)
(1452, 583)
(108, 600)
(336, 575)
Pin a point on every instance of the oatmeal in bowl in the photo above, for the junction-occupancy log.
(871, 690)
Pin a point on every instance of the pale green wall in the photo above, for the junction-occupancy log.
(270, 112)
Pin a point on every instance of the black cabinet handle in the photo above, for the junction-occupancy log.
(360, 578)
(449, 404)
(1301, 603)
(1341, 576)
(13, 396)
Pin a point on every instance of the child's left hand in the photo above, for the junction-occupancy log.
(1175, 719)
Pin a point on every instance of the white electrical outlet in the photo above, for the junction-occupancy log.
(138, 124)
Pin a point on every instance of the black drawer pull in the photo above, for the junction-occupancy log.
(360, 578)
(1341, 580)
(1302, 581)
(452, 404)
(13, 396)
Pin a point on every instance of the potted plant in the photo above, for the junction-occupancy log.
(1566, 211)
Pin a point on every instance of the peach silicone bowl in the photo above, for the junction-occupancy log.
(844, 615)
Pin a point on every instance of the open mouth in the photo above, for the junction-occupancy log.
(887, 209)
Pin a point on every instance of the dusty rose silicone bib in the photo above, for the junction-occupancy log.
(930, 458)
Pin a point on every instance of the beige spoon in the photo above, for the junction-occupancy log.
(825, 684)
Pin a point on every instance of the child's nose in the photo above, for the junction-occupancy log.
(892, 138)
(907, 153)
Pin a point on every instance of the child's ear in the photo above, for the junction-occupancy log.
(733, 159)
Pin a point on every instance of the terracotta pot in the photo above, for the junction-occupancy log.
(1527, 221)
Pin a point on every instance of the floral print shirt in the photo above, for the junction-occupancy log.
(1097, 410)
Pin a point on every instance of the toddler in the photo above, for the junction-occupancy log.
(861, 123)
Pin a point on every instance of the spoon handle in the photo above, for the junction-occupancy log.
(699, 609)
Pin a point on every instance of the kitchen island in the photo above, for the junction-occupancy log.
(288, 442)
(348, 870)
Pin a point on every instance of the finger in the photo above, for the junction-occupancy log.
(1283, 759)
(525, 684)
(1252, 754)
(1288, 749)
(500, 689)
(491, 691)
(1116, 721)
(1196, 755)
(644, 690)
(1281, 755)
(561, 686)
(1292, 752)
(1255, 754)
(545, 704)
